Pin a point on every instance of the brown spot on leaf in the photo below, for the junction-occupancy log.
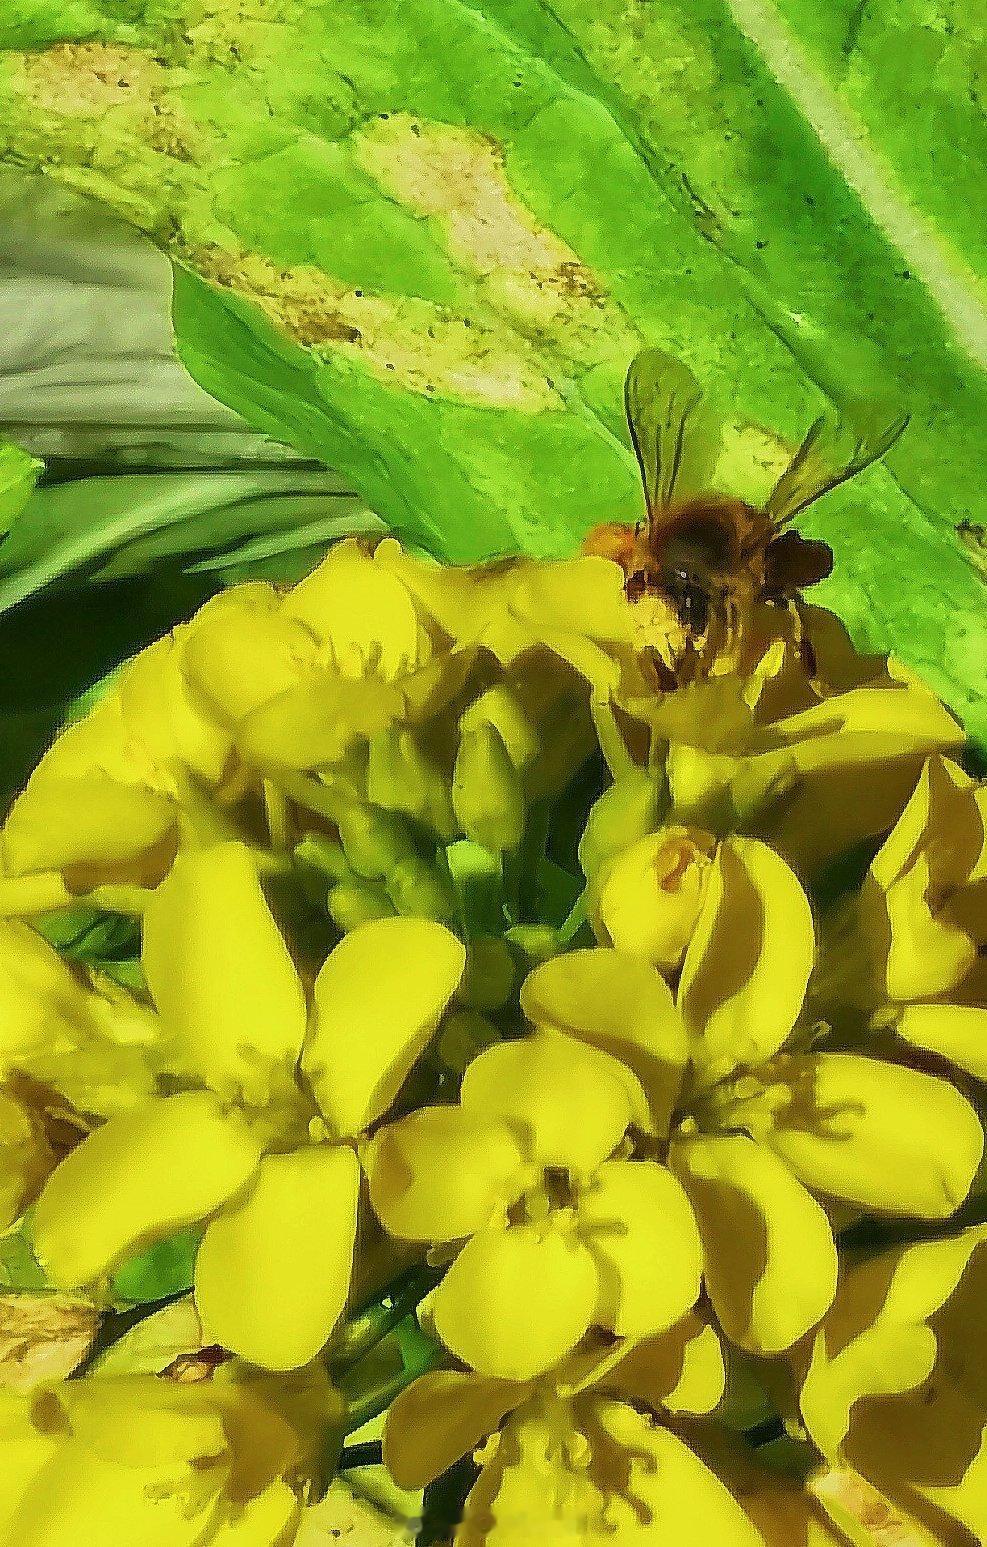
(420, 346)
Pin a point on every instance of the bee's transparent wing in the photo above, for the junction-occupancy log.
(834, 450)
(675, 436)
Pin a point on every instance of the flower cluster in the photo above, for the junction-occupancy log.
(520, 1044)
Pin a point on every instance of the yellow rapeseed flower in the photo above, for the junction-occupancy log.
(143, 1460)
(910, 951)
(564, 1229)
(105, 801)
(571, 1460)
(269, 1096)
(894, 1383)
(754, 1117)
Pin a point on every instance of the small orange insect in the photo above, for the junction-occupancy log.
(712, 556)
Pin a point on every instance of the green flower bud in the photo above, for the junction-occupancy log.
(357, 902)
(533, 943)
(568, 738)
(501, 708)
(374, 841)
(487, 792)
(699, 783)
(464, 1035)
(402, 777)
(624, 813)
(490, 975)
(420, 889)
(318, 852)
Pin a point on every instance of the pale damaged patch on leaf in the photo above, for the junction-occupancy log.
(405, 341)
(43, 1337)
(112, 84)
(458, 177)
(85, 80)
(751, 461)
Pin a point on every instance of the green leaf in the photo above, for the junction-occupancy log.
(91, 378)
(19, 1269)
(19, 473)
(422, 245)
(161, 1271)
(225, 524)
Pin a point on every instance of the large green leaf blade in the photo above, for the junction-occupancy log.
(428, 241)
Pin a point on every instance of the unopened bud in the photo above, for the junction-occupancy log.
(699, 783)
(488, 981)
(402, 777)
(374, 841)
(357, 902)
(487, 793)
(464, 1035)
(421, 889)
(533, 944)
(625, 812)
(501, 708)
(650, 895)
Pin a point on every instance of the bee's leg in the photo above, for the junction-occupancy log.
(729, 613)
(803, 645)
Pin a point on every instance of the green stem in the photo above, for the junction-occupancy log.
(358, 1338)
(419, 1355)
(530, 856)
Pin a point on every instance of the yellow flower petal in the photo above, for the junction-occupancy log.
(956, 1032)
(87, 819)
(746, 969)
(221, 975)
(143, 1174)
(620, 1004)
(571, 1104)
(441, 1173)
(926, 1451)
(515, 1301)
(681, 1370)
(770, 1258)
(787, 1516)
(140, 1420)
(41, 999)
(273, 1271)
(875, 1339)
(80, 1497)
(650, 895)
(241, 651)
(362, 611)
(636, 1221)
(158, 706)
(941, 818)
(928, 953)
(270, 1517)
(26, 1158)
(858, 756)
(879, 1135)
(378, 999)
(439, 1418)
(687, 1504)
(26, 1454)
(856, 1507)
(316, 721)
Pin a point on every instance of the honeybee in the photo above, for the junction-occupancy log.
(711, 557)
